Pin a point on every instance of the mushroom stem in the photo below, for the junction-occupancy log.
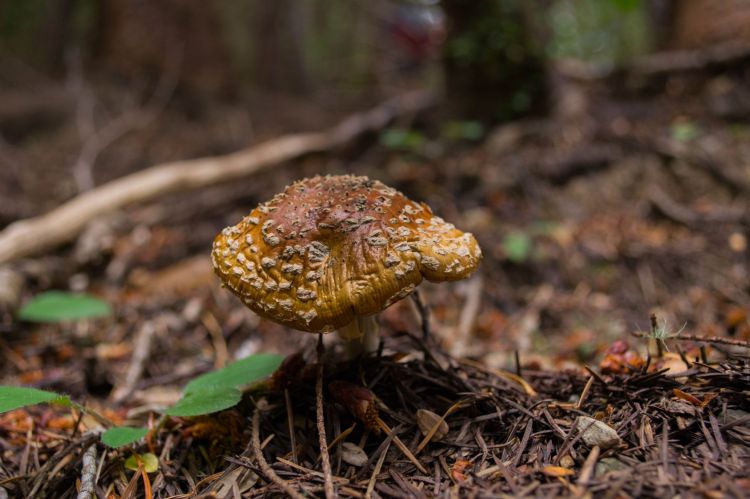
(360, 336)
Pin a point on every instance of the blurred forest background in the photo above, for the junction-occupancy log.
(598, 149)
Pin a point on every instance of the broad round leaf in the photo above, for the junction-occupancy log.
(237, 374)
(122, 435)
(203, 402)
(15, 397)
(56, 306)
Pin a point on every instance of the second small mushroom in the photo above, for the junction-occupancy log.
(330, 252)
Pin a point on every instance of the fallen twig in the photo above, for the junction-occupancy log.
(53, 465)
(141, 351)
(30, 236)
(341, 436)
(309, 471)
(692, 337)
(88, 473)
(379, 464)
(263, 464)
(584, 393)
(468, 316)
(687, 216)
(401, 445)
(508, 376)
(587, 470)
(671, 61)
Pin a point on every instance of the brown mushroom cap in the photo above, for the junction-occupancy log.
(331, 248)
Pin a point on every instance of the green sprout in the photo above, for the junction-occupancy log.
(661, 332)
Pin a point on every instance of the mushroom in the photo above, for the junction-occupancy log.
(330, 252)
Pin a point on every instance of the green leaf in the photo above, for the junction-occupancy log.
(15, 397)
(684, 131)
(402, 139)
(463, 130)
(219, 390)
(237, 374)
(517, 246)
(149, 460)
(56, 306)
(203, 402)
(120, 436)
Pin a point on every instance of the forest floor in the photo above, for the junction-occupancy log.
(635, 205)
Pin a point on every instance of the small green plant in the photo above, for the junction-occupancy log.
(59, 306)
(462, 130)
(521, 245)
(403, 139)
(517, 246)
(15, 397)
(684, 131)
(661, 332)
(148, 460)
(206, 394)
(219, 390)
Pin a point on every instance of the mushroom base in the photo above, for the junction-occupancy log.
(360, 337)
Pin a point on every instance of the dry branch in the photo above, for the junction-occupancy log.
(88, 473)
(141, 353)
(269, 473)
(693, 337)
(34, 235)
(671, 61)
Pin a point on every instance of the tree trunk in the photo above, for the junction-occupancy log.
(695, 24)
(494, 68)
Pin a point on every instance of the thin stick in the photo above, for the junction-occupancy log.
(468, 316)
(265, 468)
(88, 473)
(401, 445)
(290, 421)
(34, 235)
(584, 393)
(324, 457)
(659, 342)
(437, 424)
(508, 376)
(53, 463)
(587, 469)
(339, 438)
(708, 339)
(217, 339)
(309, 471)
(141, 352)
(379, 465)
(424, 314)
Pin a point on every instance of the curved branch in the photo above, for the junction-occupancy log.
(34, 235)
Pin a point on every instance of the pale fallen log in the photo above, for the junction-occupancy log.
(37, 234)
